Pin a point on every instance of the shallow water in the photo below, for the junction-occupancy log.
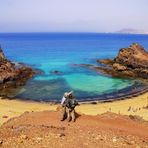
(60, 51)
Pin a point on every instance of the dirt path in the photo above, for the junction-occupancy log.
(44, 129)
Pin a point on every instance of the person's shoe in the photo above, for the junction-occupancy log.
(73, 120)
(69, 119)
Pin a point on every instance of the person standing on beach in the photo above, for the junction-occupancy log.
(63, 103)
(71, 104)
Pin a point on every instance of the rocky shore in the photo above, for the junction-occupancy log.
(12, 75)
(130, 62)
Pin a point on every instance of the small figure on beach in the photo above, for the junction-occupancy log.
(63, 103)
(68, 107)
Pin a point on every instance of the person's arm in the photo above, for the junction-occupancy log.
(63, 101)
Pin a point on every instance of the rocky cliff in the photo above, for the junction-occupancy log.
(12, 75)
(130, 62)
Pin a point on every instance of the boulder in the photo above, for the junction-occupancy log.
(55, 72)
(135, 56)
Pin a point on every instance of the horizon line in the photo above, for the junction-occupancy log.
(60, 32)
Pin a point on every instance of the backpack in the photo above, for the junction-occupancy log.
(71, 103)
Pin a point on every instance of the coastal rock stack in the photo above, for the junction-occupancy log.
(130, 62)
(12, 75)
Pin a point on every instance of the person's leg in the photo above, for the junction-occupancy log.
(73, 114)
(69, 115)
(64, 114)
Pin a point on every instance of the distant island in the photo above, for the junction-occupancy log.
(132, 31)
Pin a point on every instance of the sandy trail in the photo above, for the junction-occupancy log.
(44, 129)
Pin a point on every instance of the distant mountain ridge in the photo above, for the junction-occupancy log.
(132, 31)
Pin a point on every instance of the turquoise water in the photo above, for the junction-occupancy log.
(60, 51)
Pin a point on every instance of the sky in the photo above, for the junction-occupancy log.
(72, 15)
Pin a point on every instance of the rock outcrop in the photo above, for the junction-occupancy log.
(11, 74)
(130, 62)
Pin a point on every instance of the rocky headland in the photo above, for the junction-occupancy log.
(12, 75)
(130, 62)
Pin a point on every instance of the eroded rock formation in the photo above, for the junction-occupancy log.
(11, 74)
(130, 62)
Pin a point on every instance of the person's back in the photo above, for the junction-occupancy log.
(71, 104)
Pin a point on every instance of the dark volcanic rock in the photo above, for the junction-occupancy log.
(55, 72)
(12, 75)
(130, 62)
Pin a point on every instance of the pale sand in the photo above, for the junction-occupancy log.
(13, 108)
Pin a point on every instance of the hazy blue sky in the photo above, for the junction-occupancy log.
(72, 15)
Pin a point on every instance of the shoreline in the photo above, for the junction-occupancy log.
(123, 94)
(136, 105)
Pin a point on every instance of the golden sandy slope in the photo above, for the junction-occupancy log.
(134, 106)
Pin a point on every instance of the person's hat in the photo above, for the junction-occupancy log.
(66, 94)
(69, 93)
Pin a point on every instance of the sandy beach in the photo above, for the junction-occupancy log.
(44, 128)
(133, 106)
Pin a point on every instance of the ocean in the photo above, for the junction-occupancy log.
(50, 52)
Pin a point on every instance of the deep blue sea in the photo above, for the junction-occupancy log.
(60, 51)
